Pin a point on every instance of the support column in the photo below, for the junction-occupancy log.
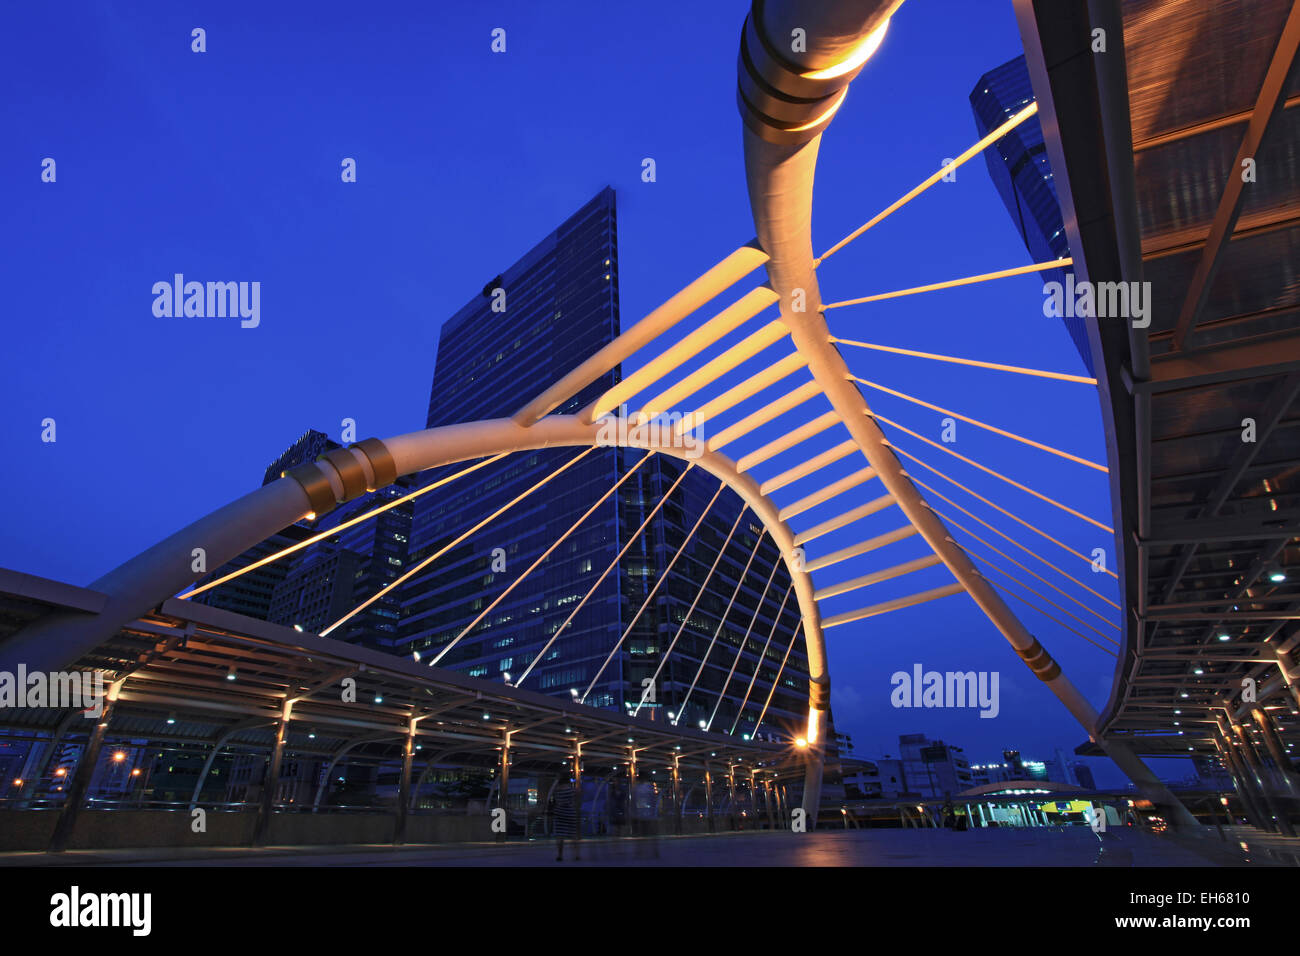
(677, 797)
(503, 785)
(708, 795)
(207, 766)
(631, 792)
(731, 797)
(404, 786)
(82, 775)
(577, 789)
(1286, 770)
(819, 703)
(1245, 794)
(1148, 784)
(1289, 675)
(1253, 764)
(271, 781)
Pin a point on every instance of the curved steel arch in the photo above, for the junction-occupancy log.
(144, 582)
(787, 100)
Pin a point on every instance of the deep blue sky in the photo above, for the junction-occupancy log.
(225, 166)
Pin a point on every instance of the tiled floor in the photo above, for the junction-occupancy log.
(1073, 846)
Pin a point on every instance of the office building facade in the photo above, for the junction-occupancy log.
(552, 630)
(932, 768)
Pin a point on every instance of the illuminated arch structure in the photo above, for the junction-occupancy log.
(786, 101)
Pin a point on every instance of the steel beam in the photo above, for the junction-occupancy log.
(1268, 106)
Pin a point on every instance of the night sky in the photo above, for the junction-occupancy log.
(225, 165)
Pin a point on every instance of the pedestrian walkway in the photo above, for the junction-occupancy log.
(1046, 846)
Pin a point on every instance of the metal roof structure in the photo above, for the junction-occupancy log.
(192, 674)
(1176, 160)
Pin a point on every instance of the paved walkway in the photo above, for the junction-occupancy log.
(1056, 846)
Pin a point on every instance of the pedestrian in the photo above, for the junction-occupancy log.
(564, 816)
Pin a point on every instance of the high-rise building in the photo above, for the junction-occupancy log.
(251, 594)
(933, 768)
(1059, 769)
(1083, 775)
(309, 446)
(352, 566)
(474, 609)
(549, 311)
(1021, 172)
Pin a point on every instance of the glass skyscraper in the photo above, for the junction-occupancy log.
(545, 314)
(1023, 176)
(550, 310)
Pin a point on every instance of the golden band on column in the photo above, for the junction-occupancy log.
(1039, 661)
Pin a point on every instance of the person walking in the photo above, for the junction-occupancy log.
(564, 817)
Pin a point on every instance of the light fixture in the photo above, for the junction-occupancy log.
(1225, 637)
(858, 57)
(171, 718)
(1277, 575)
(230, 674)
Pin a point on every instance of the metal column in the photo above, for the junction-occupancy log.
(404, 786)
(271, 782)
(82, 775)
